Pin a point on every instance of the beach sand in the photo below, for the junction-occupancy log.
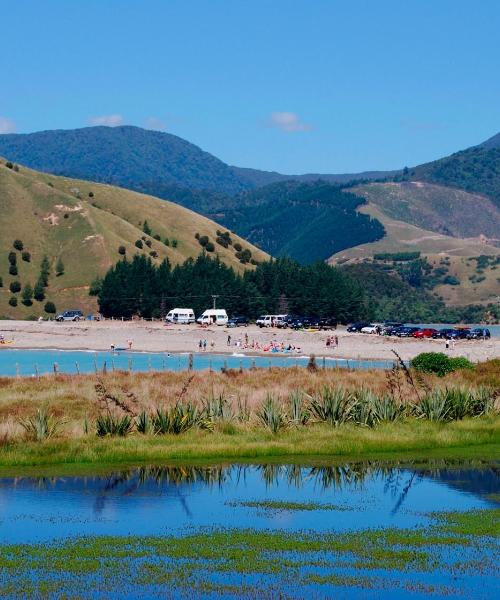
(157, 337)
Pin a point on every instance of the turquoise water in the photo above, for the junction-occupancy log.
(29, 363)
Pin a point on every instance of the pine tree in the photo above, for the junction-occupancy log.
(27, 295)
(44, 271)
(39, 291)
(59, 267)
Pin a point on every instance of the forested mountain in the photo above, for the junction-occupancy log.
(476, 169)
(127, 156)
(307, 221)
(152, 162)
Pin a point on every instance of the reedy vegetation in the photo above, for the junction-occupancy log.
(117, 404)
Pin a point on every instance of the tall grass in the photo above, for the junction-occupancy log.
(111, 425)
(332, 405)
(272, 414)
(179, 418)
(298, 409)
(41, 426)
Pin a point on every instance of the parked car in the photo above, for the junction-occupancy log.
(443, 333)
(327, 323)
(238, 322)
(425, 332)
(70, 315)
(406, 331)
(265, 320)
(390, 327)
(358, 326)
(370, 329)
(479, 333)
(460, 334)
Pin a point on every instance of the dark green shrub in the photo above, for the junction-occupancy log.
(26, 256)
(38, 291)
(9, 165)
(18, 245)
(1, 282)
(153, 254)
(91, 194)
(439, 364)
(157, 237)
(122, 250)
(95, 287)
(460, 362)
(138, 244)
(148, 243)
(237, 247)
(50, 308)
(146, 228)
(13, 270)
(15, 287)
(12, 258)
(209, 247)
(27, 295)
(59, 267)
(203, 240)
(166, 241)
(174, 243)
(13, 301)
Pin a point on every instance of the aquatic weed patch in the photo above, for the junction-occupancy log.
(283, 506)
(260, 563)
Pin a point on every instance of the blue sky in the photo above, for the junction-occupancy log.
(294, 86)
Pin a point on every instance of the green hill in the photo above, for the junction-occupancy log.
(475, 169)
(306, 221)
(85, 225)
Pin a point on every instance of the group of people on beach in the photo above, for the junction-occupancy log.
(332, 341)
(271, 346)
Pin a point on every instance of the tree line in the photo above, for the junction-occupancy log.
(139, 287)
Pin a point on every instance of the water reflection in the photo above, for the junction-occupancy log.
(474, 476)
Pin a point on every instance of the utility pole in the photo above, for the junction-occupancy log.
(214, 298)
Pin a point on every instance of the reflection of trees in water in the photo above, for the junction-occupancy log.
(398, 477)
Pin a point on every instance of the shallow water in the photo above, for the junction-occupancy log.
(320, 499)
(28, 363)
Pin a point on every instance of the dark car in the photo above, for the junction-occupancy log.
(238, 322)
(460, 334)
(358, 326)
(406, 331)
(479, 333)
(301, 322)
(326, 323)
(444, 334)
(391, 328)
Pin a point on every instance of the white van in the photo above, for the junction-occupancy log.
(180, 315)
(213, 316)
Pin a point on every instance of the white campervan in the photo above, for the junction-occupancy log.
(213, 316)
(180, 315)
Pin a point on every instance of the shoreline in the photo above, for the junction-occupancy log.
(154, 338)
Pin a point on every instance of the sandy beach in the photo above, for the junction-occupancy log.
(157, 337)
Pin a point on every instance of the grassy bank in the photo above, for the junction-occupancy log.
(410, 438)
(123, 418)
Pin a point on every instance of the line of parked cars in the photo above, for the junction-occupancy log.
(401, 330)
(296, 322)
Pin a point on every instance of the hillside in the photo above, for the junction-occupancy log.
(456, 277)
(85, 224)
(475, 169)
(306, 221)
(437, 208)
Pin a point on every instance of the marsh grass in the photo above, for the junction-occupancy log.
(272, 414)
(41, 426)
